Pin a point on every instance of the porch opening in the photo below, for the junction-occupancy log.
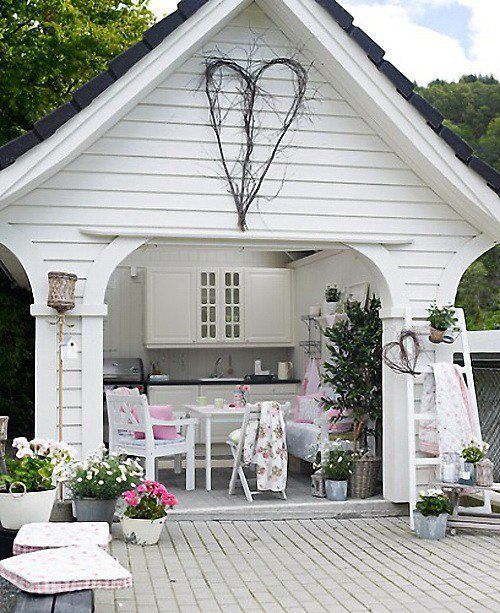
(17, 347)
(186, 324)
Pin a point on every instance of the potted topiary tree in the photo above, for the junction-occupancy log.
(440, 319)
(97, 482)
(332, 299)
(431, 514)
(146, 512)
(31, 481)
(353, 371)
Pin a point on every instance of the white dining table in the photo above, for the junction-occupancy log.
(210, 414)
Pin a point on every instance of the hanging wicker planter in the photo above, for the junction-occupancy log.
(364, 476)
(61, 291)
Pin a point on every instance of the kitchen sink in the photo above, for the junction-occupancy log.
(221, 379)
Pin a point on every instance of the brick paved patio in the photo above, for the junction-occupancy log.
(307, 565)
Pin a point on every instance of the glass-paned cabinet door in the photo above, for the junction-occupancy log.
(207, 308)
(232, 305)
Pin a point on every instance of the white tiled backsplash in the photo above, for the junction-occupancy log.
(200, 362)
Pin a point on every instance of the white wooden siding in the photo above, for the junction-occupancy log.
(157, 168)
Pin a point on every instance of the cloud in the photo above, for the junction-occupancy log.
(421, 52)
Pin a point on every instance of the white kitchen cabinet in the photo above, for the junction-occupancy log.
(218, 306)
(285, 392)
(176, 395)
(268, 306)
(170, 307)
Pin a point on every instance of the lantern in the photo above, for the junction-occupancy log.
(484, 473)
(61, 291)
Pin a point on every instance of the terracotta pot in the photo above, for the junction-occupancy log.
(18, 509)
(142, 531)
(436, 336)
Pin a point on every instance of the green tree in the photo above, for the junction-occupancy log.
(471, 107)
(48, 48)
(479, 292)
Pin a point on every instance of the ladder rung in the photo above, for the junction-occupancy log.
(427, 461)
(425, 416)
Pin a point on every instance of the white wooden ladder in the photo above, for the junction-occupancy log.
(442, 352)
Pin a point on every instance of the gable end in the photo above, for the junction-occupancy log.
(83, 96)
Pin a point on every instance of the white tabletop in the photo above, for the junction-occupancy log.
(209, 410)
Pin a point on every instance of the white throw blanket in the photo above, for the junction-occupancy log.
(446, 394)
(265, 446)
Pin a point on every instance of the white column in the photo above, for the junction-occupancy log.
(395, 422)
(45, 376)
(92, 375)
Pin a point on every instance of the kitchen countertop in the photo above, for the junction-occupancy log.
(219, 382)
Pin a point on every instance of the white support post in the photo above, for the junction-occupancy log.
(45, 377)
(394, 422)
(92, 376)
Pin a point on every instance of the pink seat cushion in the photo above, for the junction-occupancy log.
(161, 433)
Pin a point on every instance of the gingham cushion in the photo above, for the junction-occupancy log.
(45, 535)
(66, 569)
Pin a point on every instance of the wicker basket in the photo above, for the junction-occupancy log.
(364, 476)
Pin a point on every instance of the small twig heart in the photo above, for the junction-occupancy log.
(245, 184)
(402, 355)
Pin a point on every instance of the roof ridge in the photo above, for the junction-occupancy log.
(153, 36)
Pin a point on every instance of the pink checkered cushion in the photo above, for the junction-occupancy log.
(46, 535)
(66, 569)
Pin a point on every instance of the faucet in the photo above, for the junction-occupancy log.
(216, 374)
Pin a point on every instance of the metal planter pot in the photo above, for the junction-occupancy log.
(93, 509)
(430, 527)
(336, 490)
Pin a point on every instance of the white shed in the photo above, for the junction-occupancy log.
(370, 180)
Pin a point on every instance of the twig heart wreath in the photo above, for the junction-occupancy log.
(402, 355)
(245, 176)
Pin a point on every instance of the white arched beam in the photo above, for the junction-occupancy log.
(455, 269)
(381, 264)
(30, 258)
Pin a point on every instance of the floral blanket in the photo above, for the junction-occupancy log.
(265, 446)
(446, 394)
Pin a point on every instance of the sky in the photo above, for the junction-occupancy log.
(425, 39)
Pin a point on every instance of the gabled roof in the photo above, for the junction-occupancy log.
(82, 97)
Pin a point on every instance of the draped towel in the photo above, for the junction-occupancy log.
(265, 446)
(446, 394)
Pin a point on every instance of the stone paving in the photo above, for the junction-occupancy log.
(307, 565)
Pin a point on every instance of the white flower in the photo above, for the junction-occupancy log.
(340, 459)
(79, 480)
(25, 451)
(109, 472)
(100, 482)
(89, 476)
(20, 442)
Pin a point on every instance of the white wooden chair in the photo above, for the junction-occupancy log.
(236, 442)
(128, 414)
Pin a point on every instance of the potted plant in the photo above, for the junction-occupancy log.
(146, 512)
(473, 453)
(332, 299)
(97, 482)
(31, 479)
(440, 319)
(337, 465)
(354, 371)
(431, 514)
